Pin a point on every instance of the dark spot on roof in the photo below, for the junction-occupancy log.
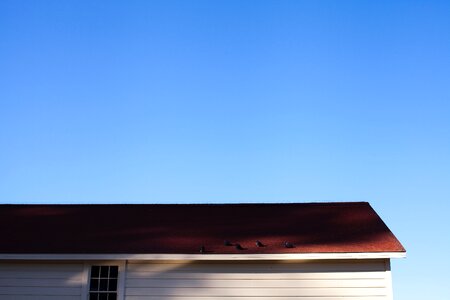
(288, 245)
(239, 247)
(259, 244)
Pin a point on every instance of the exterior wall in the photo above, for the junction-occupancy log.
(206, 280)
(307, 280)
(41, 281)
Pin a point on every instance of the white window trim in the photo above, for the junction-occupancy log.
(120, 279)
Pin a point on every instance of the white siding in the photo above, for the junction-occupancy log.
(214, 280)
(307, 280)
(39, 281)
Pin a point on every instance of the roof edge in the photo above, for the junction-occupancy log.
(205, 257)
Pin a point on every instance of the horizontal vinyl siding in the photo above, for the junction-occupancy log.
(316, 280)
(39, 281)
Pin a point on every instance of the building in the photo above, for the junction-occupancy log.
(308, 251)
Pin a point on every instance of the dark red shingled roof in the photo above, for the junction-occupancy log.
(185, 228)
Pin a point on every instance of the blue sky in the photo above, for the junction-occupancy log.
(235, 101)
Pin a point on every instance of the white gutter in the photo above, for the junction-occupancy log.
(290, 256)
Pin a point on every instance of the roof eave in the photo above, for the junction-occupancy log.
(205, 257)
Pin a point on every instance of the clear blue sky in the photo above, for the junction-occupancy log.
(222, 101)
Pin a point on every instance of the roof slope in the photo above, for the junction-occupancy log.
(185, 228)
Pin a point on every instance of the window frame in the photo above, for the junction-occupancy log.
(120, 277)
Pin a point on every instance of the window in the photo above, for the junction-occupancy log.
(103, 283)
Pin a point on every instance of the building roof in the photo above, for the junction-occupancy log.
(188, 228)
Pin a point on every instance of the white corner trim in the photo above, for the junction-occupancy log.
(289, 256)
(388, 278)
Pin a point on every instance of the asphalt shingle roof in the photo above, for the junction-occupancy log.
(185, 228)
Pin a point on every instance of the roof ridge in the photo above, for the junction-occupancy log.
(192, 204)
